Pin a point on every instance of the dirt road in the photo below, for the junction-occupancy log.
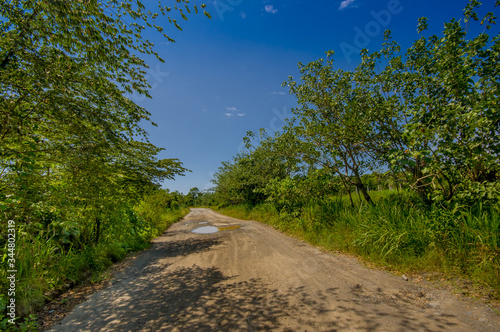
(252, 278)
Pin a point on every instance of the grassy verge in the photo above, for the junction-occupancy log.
(398, 235)
(46, 267)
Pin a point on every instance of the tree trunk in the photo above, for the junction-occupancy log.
(350, 197)
(363, 191)
(97, 230)
(420, 185)
(349, 192)
(361, 187)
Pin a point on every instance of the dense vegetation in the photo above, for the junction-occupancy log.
(396, 160)
(78, 176)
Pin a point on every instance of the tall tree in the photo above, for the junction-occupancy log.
(332, 122)
(67, 69)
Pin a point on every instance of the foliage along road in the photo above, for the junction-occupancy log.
(253, 278)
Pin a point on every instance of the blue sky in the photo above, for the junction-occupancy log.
(223, 75)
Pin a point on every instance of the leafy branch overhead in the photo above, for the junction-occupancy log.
(66, 71)
(64, 61)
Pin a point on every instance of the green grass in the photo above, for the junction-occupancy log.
(43, 264)
(397, 233)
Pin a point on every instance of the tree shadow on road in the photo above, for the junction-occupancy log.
(190, 299)
(151, 260)
(153, 297)
(203, 299)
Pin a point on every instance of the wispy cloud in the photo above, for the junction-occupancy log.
(233, 111)
(243, 15)
(281, 93)
(345, 4)
(270, 9)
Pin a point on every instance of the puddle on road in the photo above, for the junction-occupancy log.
(205, 230)
(213, 229)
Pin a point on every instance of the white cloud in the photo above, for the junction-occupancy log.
(345, 4)
(281, 93)
(233, 111)
(270, 9)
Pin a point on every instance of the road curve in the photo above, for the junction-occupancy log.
(253, 278)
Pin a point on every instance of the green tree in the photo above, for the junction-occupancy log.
(431, 112)
(243, 179)
(193, 196)
(332, 124)
(66, 71)
(74, 159)
(437, 113)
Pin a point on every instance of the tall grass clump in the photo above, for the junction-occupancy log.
(398, 232)
(247, 211)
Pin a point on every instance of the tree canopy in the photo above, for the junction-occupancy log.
(67, 69)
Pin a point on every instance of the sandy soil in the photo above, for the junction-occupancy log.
(254, 278)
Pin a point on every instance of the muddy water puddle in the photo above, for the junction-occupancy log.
(205, 230)
(228, 228)
(213, 229)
